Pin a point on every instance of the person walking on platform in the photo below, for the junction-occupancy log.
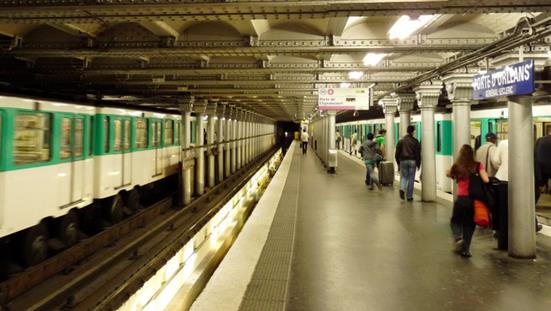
(380, 140)
(408, 157)
(353, 142)
(304, 139)
(485, 154)
(462, 221)
(371, 154)
(338, 139)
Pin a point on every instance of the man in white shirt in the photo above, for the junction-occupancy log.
(485, 154)
(500, 159)
(304, 139)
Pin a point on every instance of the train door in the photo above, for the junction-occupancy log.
(476, 130)
(157, 150)
(72, 152)
(126, 154)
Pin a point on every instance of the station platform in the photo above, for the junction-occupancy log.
(319, 241)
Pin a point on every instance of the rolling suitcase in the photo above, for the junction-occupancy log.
(386, 173)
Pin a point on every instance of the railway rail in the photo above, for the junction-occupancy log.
(101, 272)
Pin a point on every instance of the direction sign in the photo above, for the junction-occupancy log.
(344, 98)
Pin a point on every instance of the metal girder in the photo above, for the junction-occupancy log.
(333, 67)
(86, 11)
(140, 48)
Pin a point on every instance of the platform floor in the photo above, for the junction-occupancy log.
(357, 249)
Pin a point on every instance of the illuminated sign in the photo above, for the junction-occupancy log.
(344, 98)
(516, 79)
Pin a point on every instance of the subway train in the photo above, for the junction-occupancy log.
(493, 119)
(64, 164)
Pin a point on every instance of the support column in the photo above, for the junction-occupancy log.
(460, 93)
(211, 144)
(221, 109)
(228, 137)
(405, 106)
(522, 231)
(427, 96)
(239, 136)
(390, 107)
(200, 150)
(234, 140)
(186, 109)
(331, 114)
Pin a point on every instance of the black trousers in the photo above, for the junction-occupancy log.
(304, 147)
(462, 222)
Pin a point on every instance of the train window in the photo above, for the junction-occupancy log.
(176, 132)
(106, 134)
(32, 137)
(126, 129)
(156, 138)
(141, 133)
(438, 136)
(117, 141)
(169, 132)
(91, 136)
(78, 147)
(65, 150)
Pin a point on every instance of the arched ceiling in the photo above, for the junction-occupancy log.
(266, 56)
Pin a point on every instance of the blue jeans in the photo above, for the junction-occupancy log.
(373, 178)
(407, 177)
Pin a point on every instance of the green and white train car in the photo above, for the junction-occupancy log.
(482, 121)
(58, 159)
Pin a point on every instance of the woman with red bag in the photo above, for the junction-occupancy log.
(462, 221)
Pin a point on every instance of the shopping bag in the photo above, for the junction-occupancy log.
(481, 213)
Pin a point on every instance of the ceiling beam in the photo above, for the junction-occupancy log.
(59, 11)
(310, 48)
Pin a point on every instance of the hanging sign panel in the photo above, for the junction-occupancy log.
(344, 98)
(516, 79)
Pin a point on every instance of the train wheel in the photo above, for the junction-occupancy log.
(35, 245)
(68, 230)
(133, 200)
(116, 209)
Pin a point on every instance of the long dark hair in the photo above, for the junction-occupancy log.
(465, 163)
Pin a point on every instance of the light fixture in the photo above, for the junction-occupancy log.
(355, 75)
(344, 85)
(372, 59)
(405, 26)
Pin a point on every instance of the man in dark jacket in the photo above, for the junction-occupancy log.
(408, 157)
(371, 154)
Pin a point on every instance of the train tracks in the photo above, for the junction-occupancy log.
(102, 272)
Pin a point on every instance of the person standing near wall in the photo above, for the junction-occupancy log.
(304, 137)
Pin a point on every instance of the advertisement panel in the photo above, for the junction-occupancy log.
(516, 79)
(344, 98)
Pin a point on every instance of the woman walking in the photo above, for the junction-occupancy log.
(462, 222)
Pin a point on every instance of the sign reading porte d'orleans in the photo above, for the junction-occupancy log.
(516, 79)
(343, 98)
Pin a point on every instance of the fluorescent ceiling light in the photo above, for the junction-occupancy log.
(405, 26)
(345, 85)
(372, 59)
(355, 75)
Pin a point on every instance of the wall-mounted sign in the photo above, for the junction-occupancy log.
(517, 79)
(344, 98)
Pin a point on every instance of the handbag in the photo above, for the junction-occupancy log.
(481, 213)
(478, 190)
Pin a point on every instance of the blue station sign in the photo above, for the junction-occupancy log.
(516, 79)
